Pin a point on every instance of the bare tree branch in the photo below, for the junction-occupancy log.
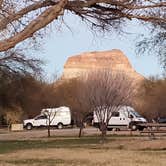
(102, 14)
(40, 22)
(106, 92)
(16, 16)
(15, 61)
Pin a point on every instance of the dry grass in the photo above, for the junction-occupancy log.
(84, 157)
(116, 152)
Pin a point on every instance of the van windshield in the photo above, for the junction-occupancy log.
(136, 114)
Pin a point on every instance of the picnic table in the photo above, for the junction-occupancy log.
(153, 128)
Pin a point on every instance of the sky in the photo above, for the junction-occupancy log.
(65, 42)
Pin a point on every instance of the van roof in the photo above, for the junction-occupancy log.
(62, 108)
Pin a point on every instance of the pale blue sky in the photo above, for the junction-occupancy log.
(60, 45)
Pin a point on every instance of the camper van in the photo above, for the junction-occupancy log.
(58, 117)
(125, 117)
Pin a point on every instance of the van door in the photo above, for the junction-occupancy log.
(118, 119)
(115, 118)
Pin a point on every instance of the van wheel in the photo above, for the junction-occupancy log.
(109, 129)
(116, 129)
(29, 126)
(141, 128)
(134, 127)
(60, 126)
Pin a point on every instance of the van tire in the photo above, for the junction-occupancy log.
(134, 127)
(109, 129)
(60, 126)
(140, 128)
(116, 129)
(29, 126)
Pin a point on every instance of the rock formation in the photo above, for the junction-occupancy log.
(114, 60)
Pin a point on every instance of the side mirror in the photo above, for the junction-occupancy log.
(131, 116)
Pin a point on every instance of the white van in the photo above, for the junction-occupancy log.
(59, 117)
(126, 116)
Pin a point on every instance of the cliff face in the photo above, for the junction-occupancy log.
(114, 60)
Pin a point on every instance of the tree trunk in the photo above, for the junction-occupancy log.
(81, 129)
(48, 128)
(103, 129)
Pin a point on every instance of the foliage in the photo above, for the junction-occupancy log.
(69, 92)
(13, 115)
(152, 96)
(26, 92)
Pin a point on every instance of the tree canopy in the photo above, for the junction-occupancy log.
(26, 19)
(21, 19)
(152, 98)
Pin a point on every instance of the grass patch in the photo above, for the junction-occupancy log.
(48, 162)
(36, 161)
(9, 146)
(99, 136)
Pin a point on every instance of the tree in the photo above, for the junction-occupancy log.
(20, 22)
(17, 91)
(82, 105)
(15, 61)
(71, 93)
(50, 115)
(152, 98)
(154, 44)
(25, 91)
(106, 92)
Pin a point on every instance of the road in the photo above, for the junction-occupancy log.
(40, 133)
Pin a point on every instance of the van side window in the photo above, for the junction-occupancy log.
(131, 116)
(41, 117)
(115, 114)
